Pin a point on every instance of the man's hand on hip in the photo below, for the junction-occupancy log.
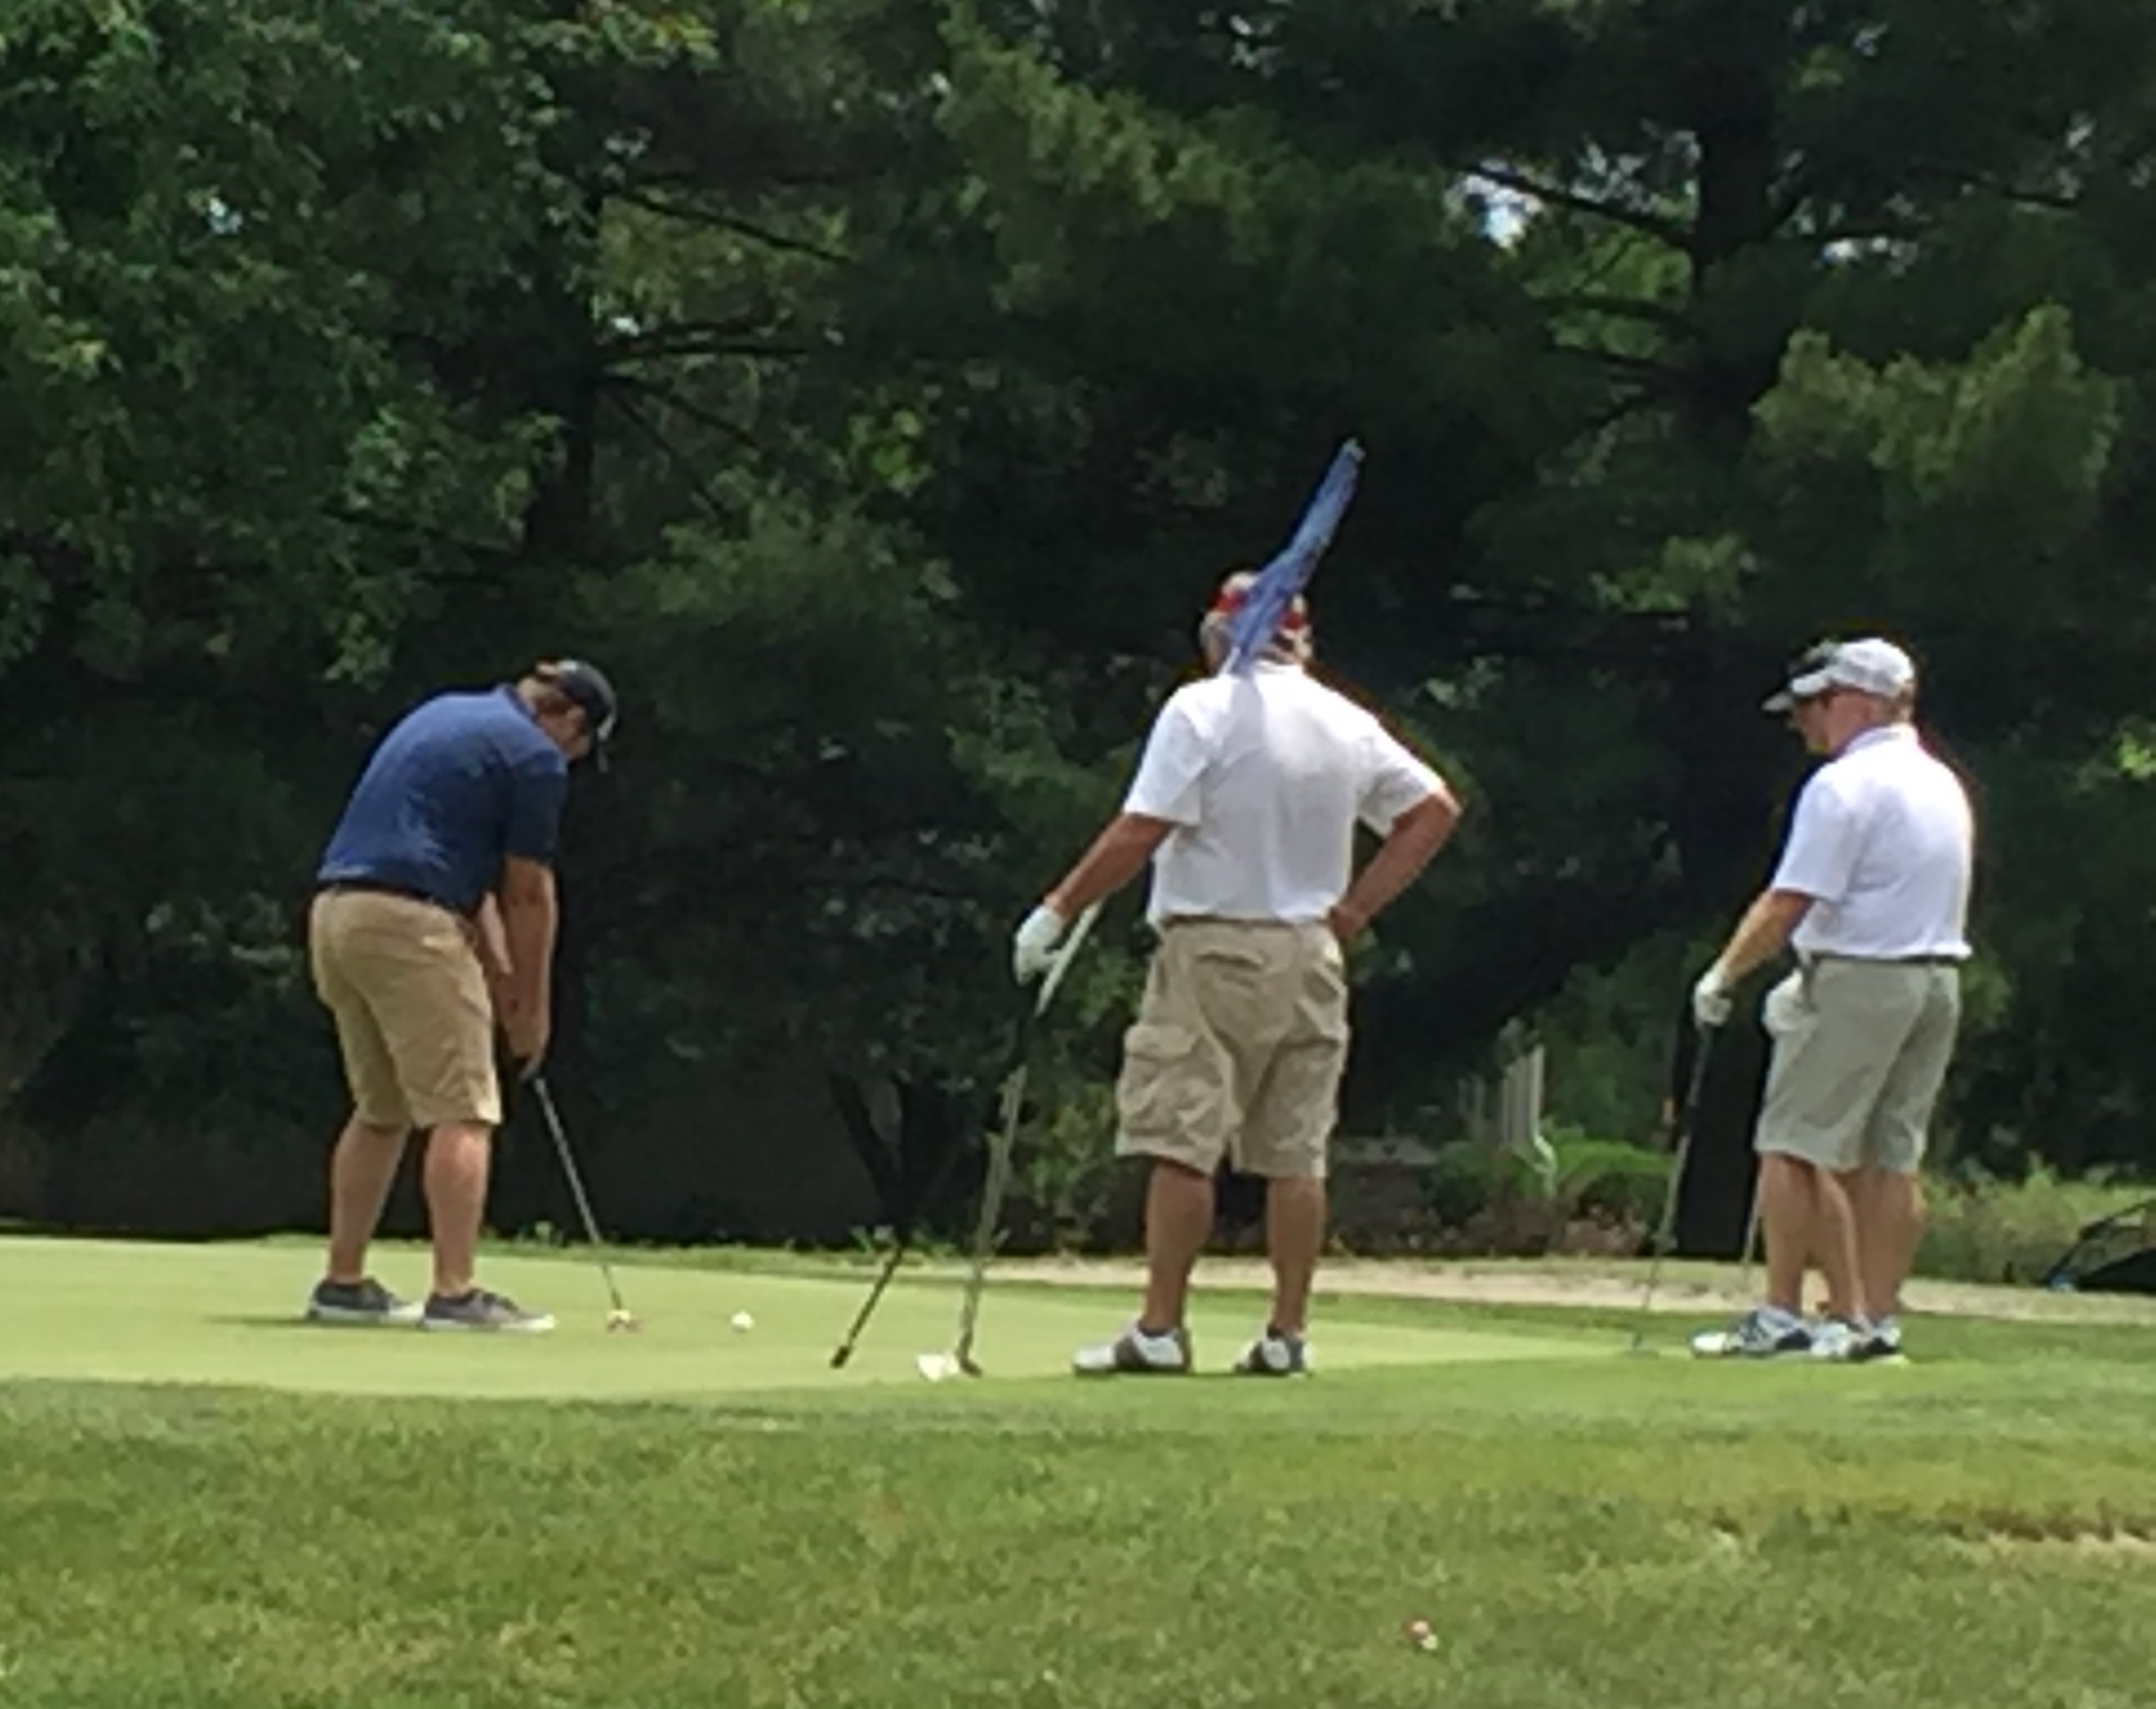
(1033, 944)
(1347, 921)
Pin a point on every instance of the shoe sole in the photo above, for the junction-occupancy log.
(344, 1317)
(1721, 1348)
(450, 1325)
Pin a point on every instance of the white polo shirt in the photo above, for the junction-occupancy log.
(1264, 777)
(1883, 840)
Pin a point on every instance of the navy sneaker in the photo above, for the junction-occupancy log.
(1763, 1332)
(1882, 1346)
(364, 1303)
(482, 1311)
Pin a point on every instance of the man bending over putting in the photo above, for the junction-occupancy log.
(433, 915)
(1246, 802)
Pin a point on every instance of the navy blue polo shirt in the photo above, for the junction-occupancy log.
(460, 782)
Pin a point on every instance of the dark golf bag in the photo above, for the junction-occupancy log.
(2113, 1255)
(1714, 1198)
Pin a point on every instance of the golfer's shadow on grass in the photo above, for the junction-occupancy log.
(296, 1320)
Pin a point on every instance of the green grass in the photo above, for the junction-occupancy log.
(275, 1515)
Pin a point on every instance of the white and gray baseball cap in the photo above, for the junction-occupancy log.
(1870, 666)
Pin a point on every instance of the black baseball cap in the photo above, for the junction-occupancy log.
(588, 686)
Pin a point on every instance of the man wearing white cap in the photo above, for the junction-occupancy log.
(1872, 893)
(1246, 802)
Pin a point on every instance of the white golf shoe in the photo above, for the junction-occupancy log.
(1134, 1353)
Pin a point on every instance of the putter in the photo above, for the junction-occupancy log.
(621, 1317)
(1686, 1118)
(1000, 1145)
(843, 1352)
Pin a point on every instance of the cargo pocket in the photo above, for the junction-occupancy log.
(1167, 1080)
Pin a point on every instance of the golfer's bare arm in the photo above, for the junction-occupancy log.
(529, 915)
(1415, 837)
(491, 940)
(1118, 855)
(1765, 931)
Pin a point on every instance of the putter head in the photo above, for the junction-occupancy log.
(839, 1358)
(968, 1363)
(622, 1322)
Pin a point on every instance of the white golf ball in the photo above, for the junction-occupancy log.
(935, 1366)
(743, 1321)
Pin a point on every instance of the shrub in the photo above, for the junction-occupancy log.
(1980, 1228)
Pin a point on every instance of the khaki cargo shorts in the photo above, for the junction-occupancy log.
(415, 1023)
(1237, 1050)
(1860, 1052)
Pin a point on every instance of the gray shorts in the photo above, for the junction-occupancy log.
(1860, 1052)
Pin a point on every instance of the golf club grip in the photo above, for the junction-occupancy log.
(1064, 957)
(1697, 1080)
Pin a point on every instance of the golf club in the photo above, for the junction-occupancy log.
(1686, 1118)
(903, 1239)
(1000, 1145)
(621, 1317)
(1743, 1278)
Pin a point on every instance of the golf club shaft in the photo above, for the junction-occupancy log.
(992, 1204)
(901, 1244)
(1688, 1116)
(1002, 1143)
(991, 1210)
(844, 1350)
(576, 1186)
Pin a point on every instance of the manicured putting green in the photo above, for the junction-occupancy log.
(127, 1311)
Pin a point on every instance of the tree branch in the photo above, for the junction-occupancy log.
(697, 485)
(667, 208)
(1670, 320)
(1654, 225)
(669, 399)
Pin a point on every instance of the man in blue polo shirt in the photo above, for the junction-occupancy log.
(434, 916)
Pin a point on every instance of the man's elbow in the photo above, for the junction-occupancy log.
(1787, 907)
(1141, 833)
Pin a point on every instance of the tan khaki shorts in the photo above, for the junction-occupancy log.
(1860, 1052)
(1237, 1050)
(414, 1020)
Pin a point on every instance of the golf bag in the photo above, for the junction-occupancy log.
(1714, 1198)
(2113, 1255)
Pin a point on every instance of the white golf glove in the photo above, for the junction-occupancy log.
(1711, 1003)
(1033, 945)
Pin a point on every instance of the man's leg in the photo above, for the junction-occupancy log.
(362, 1170)
(1178, 1222)
(1787, 1210)
(1889, 1222)
(364, 1163)
(458, 1154)
(1835, 1247)
(1889, 1188)
(1805, 1214)
(1295, 1231)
